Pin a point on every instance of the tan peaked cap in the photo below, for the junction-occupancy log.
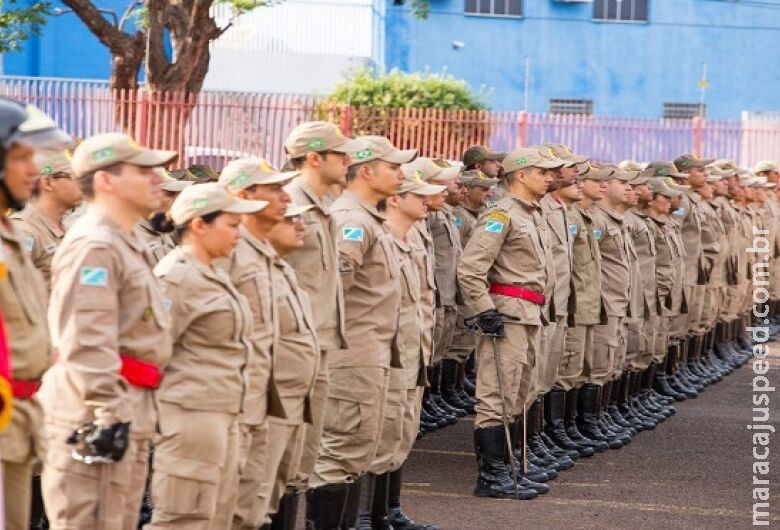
(104, 150)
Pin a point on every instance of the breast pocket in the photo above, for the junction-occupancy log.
(528, 247)
(389, 255)
(218, 319)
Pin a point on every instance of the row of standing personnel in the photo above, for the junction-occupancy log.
(256, 396)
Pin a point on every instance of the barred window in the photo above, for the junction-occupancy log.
(571, 106)
(496, 8)
(620, 10)
(684, 110)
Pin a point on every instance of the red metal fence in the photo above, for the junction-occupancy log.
(214, 127)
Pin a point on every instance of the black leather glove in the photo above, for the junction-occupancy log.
(96, 443)
(491, 323)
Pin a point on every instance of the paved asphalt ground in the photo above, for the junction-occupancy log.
(692, 471)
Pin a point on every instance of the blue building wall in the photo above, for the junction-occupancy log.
(625, 68)
(66, 48)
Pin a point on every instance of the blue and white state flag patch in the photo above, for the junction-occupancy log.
(352, 234)
(457, 221)
(29, 244)
(167, 304)
(93, 276)
(573, 229)
(597, 233)
(494, 226)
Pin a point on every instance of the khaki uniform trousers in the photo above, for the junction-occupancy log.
(577, 341)
(731, 301)
(650, 335)
(20, 445)
(354, 414)
(283, 461)
(517, 352)
(713, 301)
(195, 476)
(661, 345)
(636, 331)
(695, 296)
(463, 341)
(105, 496)
(253, 453)
(443, 331)
(546, 368)
(399, 429)
(313, 431)
(609, 347)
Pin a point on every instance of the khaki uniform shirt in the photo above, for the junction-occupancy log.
(730, 219)
(506, 248)
(691, 230)
(212, 336)
(23, 306)
(664, 278)
(370, 278)
(316, 266)
(159, 245)
(296, 353)
(249, 268)
(447, 251)
(105, 301)
(586, 266)
(409, 337)
(679, 304)
(643, 273)
(615, 265)
(41, 237)
(465, 219)
(714, 246)
(421, 244)
(555, 214)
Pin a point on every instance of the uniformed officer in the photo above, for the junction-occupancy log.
(55, 193)
(770, 170)
(156, 230)
(111, 330)
(476, 192)
(195, 475)
(322, 154)
(402, 414)
(249, 267)
(296, 359)
(358, 374)
(22, 308)
(502, 275)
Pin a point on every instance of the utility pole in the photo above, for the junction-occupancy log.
(703, 84)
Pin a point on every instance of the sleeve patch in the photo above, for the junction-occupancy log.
(597, 233)
(494, 226)
(499, 216)
(93, 276)
(456, 221)
(29, 244)
(352, 234)
(573, 229)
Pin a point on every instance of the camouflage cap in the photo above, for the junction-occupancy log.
(563, 151)
(526, 157)
(688, 161)
(246, 172)
(631, 165)
(380, 148)
(202, 173)
(319, 136)
(548, 153)
(202, 199)
(52, 162)
(636, 177)
(725, 170)
(661, 186)
(765, 165)
(715, 174)
(755, 181)
(170, 184)
(478, 153)
(474, 177)
(662, 168)
(597, 173)
(104, 150)
(677, 187)
(427, 169)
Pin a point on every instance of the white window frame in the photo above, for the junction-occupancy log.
(492, 13)
(605, 4)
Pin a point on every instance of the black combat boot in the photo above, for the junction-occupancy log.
(656, 402)
(449, 388)
(675, 376)
(379, 506)
(608, 413)
(436, 396)
(555, 410)
(638, 401)
(461, 387)
(494, 476)
(613, 390)
(365, 501)
(287, 513)
(326, 507)
(537, 444)
(443, 418)
(537, 470)
(664, 379)
(571, 421)
(626, 405)
(395, 515)
(723, 348)
(588, 416)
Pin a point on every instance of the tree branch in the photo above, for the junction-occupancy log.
(127, 13)
(113, 38)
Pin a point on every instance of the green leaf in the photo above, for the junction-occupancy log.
(19, 20)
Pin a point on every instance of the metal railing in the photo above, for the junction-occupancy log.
(214, 127)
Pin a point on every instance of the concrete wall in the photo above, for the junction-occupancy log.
(626, 68)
